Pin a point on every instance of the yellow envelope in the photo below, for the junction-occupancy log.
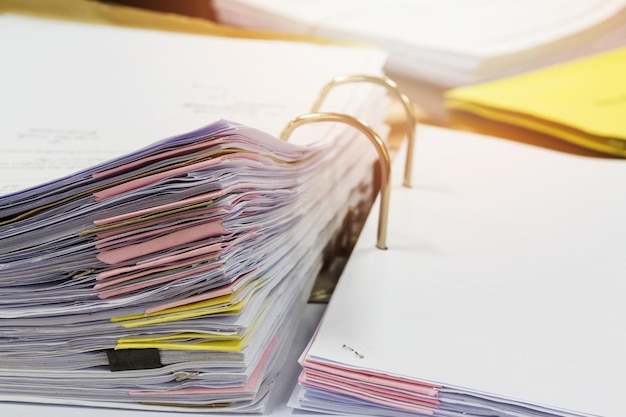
(582, 102)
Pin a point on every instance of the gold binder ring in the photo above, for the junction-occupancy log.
(392, 87)
(383, 154)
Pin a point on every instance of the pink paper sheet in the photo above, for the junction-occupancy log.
(192, 234)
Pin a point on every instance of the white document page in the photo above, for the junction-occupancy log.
(76, 94)
(503, 275)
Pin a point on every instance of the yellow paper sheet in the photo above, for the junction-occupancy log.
(226, 304)
(180, 342)
(215, 346)
(583, 102)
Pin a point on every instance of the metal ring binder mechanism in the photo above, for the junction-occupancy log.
(383, 154)
(392, 87)
(381, 148)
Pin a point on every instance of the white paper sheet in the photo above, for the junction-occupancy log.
(76, 94)
(503, 277)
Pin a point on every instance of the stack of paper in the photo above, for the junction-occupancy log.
(172, 274)
(582, 102)
(501, 293)
(183, 265)
(448, 43)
